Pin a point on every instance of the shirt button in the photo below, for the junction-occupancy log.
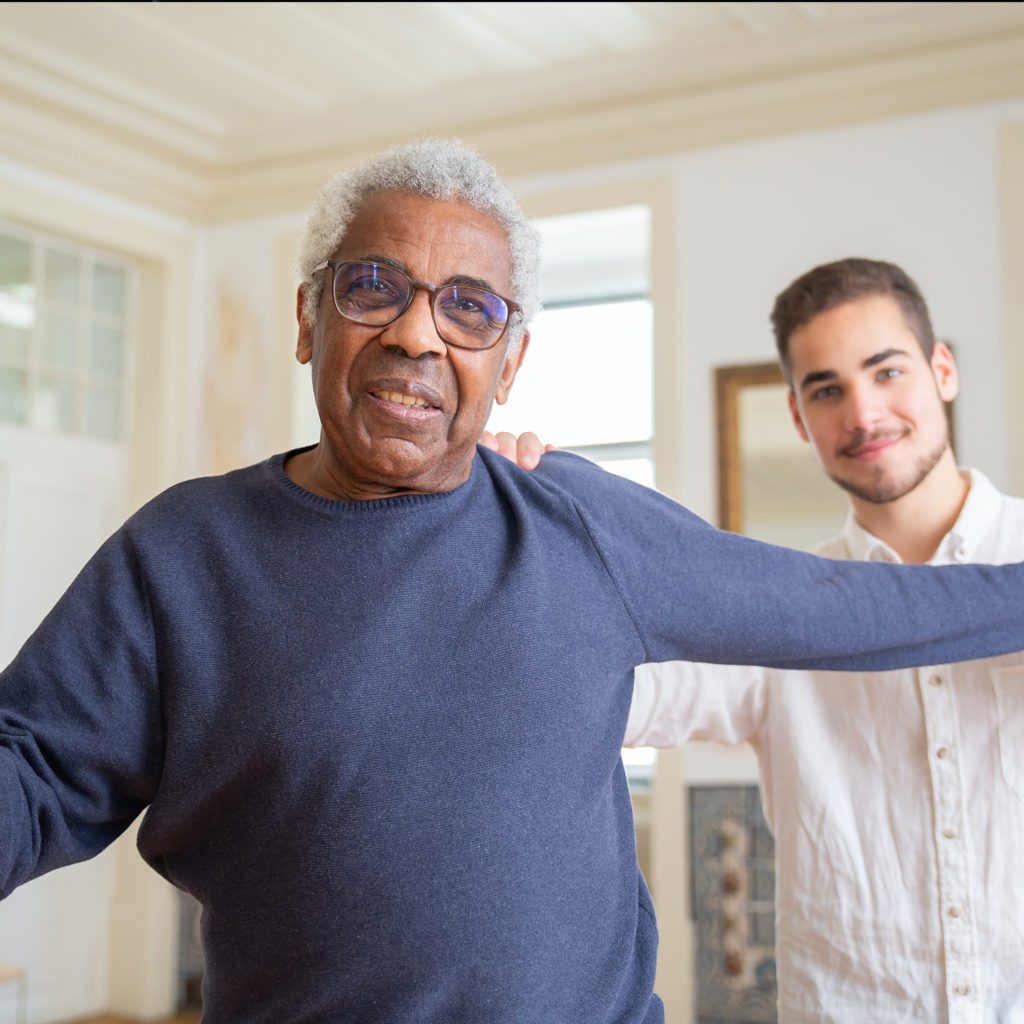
(935, 680)
(955, 911)
(950, 833)
(962, 990)
(942, 752)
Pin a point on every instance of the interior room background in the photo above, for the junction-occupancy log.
(147, 303)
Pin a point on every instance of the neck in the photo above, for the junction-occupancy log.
(318, 473)
(914, 525)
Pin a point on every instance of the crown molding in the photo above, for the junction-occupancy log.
(72, 149)
(56, 78)
(578, 137)
(662, 126)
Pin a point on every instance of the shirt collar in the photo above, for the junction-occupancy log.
(975, 519)
(863, 546)
(958, 545)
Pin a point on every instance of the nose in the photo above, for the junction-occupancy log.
(414, 331)
(863, 409)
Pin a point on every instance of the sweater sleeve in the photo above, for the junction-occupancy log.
(700, 594)
(80, 726)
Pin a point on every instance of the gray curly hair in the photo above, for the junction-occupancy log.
(442, 169)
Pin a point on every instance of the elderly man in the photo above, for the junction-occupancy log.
(311, 673)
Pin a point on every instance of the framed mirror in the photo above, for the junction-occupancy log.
(770, 485)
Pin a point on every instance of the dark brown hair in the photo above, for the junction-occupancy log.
(833, 284)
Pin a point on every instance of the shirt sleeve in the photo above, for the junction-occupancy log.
(700, 594)
(80, 725)
(677, 701)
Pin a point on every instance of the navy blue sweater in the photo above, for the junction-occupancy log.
(379, 740)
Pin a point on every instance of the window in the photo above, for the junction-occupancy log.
(64, 336)
(587, 382)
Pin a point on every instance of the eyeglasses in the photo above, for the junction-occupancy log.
(374, 294)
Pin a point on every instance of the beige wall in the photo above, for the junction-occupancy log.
(1011, 215)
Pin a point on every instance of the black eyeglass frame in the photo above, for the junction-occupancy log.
(514, 309)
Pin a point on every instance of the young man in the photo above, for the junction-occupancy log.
(896, 799)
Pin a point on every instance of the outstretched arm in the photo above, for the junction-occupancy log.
(695, 593)
(80, 728)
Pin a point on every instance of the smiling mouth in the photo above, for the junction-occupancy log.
(400, 398)
(410, 402)
(872, 448)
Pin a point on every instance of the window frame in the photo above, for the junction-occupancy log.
(82, 376)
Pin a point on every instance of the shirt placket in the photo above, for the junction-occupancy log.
(959, 936)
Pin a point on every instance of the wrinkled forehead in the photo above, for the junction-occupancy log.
(432, 239)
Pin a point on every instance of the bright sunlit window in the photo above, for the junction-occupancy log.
(587, 382)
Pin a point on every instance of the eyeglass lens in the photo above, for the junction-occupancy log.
(376, 294)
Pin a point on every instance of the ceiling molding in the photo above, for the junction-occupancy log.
(812, 12)
(194, 185)
(659, 127)
(76, 75)
(320, 22)
(103, 111)
(747, 15)
(147, 17)
(59, 145)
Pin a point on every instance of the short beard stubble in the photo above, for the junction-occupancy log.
(889, 487)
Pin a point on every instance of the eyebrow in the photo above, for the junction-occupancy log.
(818, 376)
(477, 282)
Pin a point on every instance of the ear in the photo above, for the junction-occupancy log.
(947, 379)
(304, 345)
(510, 367)
(794, 412)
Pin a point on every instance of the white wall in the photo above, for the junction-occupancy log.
(244, 297)
(921, 191)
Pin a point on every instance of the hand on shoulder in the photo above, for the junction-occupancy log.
(525, 450)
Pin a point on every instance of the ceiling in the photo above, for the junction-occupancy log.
(217, 110)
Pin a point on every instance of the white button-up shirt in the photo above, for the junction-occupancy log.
(897, 804)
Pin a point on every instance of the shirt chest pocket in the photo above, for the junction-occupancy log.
(1009, 688)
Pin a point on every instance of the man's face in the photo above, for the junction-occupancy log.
(400, 409)
(867, 400)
